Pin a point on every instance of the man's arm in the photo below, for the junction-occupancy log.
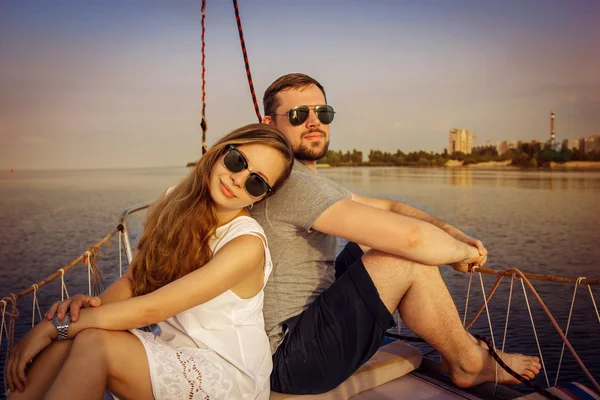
(401, 208)
(393, 233)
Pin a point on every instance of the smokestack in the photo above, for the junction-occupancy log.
(552, 132)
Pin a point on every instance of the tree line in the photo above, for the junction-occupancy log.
(526, 155)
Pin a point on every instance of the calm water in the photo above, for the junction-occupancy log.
(542, 222)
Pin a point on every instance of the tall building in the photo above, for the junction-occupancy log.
(552, 132)
(572, 144)
(592, 143)
(460, 140)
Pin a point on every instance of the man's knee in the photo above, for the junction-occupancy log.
(376, 260)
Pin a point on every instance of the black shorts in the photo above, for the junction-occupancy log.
(335, 335)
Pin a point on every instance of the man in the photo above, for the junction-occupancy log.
(325, 316)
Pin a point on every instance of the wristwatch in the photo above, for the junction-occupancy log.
(61, 327)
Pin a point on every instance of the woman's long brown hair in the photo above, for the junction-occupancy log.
(179, 226)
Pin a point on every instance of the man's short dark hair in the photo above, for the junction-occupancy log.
(285, 82)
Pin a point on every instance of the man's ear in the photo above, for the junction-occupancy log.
(268, 120)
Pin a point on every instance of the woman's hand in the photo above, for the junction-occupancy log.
(25, 350)
(72, 305)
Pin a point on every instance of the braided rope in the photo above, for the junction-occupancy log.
(501, 362)
(203, 123)
(246, 63)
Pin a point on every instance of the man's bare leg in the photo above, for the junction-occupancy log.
(421, 297)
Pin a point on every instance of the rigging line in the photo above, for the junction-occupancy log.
(468, 295)
(246, 62)
(487, 311)
(3, 326)
(89, 264)
(63, 287)
(557, 328)
(203, 123)
(508, 311)
(489, 297)
(562, 352)
(535, 334)
(35, 303)
(120, 255)
(594, 301)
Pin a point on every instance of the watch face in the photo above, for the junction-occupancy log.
(64, 322)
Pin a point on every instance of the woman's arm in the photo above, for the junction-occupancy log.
(231, 265)
(119, 290)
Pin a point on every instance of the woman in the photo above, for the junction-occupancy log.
(201, 266)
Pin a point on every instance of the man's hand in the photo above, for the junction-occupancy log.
(460, 236)
(480, 248)
(73, 305)
(472, 258)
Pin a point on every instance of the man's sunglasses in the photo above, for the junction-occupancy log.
(235, 162)
(299, 114)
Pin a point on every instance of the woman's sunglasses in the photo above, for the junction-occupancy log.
(299, 114)
(235, 162)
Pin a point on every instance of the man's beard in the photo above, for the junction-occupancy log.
(311, 152)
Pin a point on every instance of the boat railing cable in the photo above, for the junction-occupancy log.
(537, 340)
(562, 351)
(525, 280)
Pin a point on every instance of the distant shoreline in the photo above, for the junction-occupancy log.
(570, 165)
(579, 165)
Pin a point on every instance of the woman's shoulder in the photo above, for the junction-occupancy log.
(239, 226)
(242, 223)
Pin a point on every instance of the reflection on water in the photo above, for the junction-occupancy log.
(460, 176)
(500, 177)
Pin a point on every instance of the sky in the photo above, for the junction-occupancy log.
(117, 84)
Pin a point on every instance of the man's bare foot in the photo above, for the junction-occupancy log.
(481, 367)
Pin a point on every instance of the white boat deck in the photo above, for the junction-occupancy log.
(415, 388)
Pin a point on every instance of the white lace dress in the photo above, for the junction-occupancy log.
(219, 349)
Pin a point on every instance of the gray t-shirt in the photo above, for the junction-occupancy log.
(303, 259)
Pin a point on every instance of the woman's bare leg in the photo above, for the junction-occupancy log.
(100, 360)
(43, 371)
